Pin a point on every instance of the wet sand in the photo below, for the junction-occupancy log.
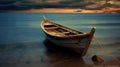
(47, 54)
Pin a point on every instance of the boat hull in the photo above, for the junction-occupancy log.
(66, 37)
(77, 44)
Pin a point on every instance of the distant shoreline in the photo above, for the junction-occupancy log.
(67, 10)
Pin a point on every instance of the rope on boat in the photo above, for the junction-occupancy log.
(103, 49)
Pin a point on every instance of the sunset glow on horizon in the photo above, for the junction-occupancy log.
(61, 6)
(71, 10)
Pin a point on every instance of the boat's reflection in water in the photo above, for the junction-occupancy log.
(61, 56)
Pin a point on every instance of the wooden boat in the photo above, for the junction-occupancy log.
(66, 37)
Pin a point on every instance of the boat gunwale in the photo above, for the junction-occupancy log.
(71, 36)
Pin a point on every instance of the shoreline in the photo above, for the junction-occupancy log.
(67, 10)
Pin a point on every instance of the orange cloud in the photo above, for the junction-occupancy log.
(72, 10)
(92, 6)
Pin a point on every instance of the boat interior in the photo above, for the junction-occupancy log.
(59, 30)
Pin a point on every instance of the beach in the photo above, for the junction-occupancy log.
(50, 55)
(23, 43)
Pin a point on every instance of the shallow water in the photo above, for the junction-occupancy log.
(22, 42)
(35, 54)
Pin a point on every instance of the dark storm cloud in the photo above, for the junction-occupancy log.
(17, 5)
(34, 4)
(75, 3)
(37, 4)
(6, 2)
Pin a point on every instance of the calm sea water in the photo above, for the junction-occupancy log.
(25, 27)
(22, 42)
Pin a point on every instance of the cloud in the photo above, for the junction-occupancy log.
(38, 4)
(35, 4)
(103, 4)
(2, 2)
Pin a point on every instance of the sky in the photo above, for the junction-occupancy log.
(79, 5)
